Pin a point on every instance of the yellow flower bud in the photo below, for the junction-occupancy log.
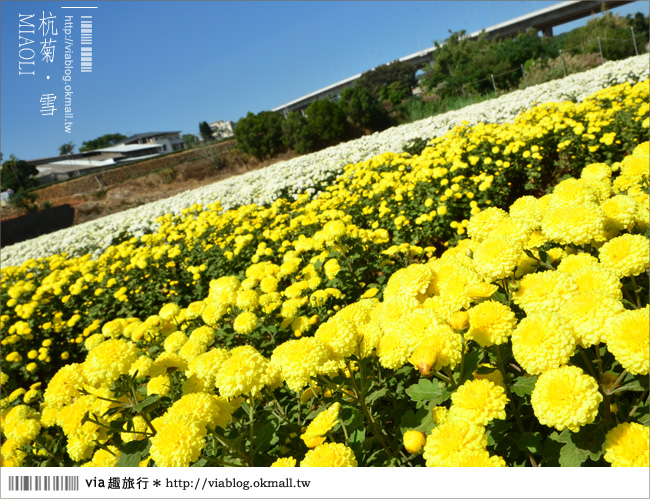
(414, 441)
(459, 320)
(424, 358)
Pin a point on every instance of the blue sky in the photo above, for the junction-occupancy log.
(167, 65)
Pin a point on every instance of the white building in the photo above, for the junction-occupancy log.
(222, 129)
(171, 141)
(135, 148)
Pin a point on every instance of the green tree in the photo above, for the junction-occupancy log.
(107, 140)
(362, 109)
(396, 92)
(190, 140)
(386, 74)
(326, 124)
(260, 134)
(613, 32)
(205, 131)
(294, 133)
(17, 174)
(66, 149)
(640, 25)
(463, 65)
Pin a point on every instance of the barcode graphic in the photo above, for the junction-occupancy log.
(86, 44)
(43, 483)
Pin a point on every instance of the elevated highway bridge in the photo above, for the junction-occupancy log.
(543, 20)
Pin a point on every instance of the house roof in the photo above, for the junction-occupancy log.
(72, 165)
(128, 147)
(144, 136)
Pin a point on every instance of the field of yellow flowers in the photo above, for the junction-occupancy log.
(482, 302)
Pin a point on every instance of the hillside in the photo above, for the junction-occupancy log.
(111, 191)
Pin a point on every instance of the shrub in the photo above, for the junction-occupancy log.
(260, 134)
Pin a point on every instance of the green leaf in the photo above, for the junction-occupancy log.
(571, 456)
(500, 297)
(148, 402)
(428, 390)
(376, 395)
(351, 416)
(133, 452)
(264, 437)
(471, 362)
(634, 386)
(530, 441)
(486, 370)
(118, 425)
(591, 439)
(422, 420)
(544, 257)
(524, 386)
(644, 419)
(551, 452)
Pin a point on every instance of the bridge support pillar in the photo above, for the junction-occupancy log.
(547, 31)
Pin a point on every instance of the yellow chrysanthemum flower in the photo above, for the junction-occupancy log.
(565, 397)
(175, 341)
(571, 263)
(178, 441)
(103, 458)
(108, 360)
(628, 339)
(206, 365)
(64, 385)
(284, 462)
(481, 224)
(242, 373)
(245, 323)
(478, 402)
(626, 255)
(526, 210)
(621, 211)
(201, 407)
(159, 385)
(476, 459)
(588, 314)
(544, 291)
(448, 440)
(479, 290)
(598, 279)
(627, 445)
(339, 335)
(329, 456)
(315, 433)
(299, 360)
(490, 323)
(581, 224)
(496, 258)
(542, 341)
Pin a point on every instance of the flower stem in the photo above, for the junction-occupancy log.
(442, 377)
(462, 357)
(364, 408)
(627, 295)
(225, 442)
(251, 426)
(636, 405)
(612, 388)
(587, 362)
(636, 293)
(513, 407)
(450, 376)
